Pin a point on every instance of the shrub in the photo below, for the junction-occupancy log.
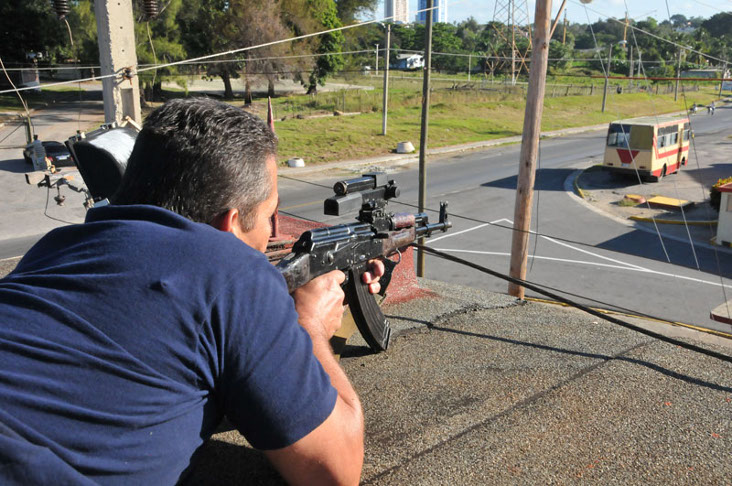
(715, 196)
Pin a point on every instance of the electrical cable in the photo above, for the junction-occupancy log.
(538, 195)
(155, 57)
(589, 310)
(368, 22)
(9, 134)
(692, 143)
(468, 218)
(632, 27)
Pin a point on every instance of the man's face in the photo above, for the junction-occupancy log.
(258, 236)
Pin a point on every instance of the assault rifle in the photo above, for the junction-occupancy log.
(348, 247)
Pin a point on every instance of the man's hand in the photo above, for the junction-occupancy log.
(319, 305)
(372, 276)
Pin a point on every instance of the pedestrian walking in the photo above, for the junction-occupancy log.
(39, 155)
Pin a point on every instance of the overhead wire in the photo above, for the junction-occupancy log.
(538, 288)
(657, 37)
(281, 41)
(692, 143)
(605, 304)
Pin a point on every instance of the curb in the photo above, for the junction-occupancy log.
(577, 188)
(572, 179)
(672, 221)
(414, 157)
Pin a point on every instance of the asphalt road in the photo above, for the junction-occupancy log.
(602, 262)
(581, 252)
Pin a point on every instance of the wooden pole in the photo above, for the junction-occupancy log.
(423, 132)
(530, 145)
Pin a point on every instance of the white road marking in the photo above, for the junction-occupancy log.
(629, 268)
(432, 240)
(596, 255)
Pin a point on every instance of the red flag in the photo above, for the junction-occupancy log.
(270, 115)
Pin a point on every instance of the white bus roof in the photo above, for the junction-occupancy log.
(653, 120)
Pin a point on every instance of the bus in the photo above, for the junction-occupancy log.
(651, 146)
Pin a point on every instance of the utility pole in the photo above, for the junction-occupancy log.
(630, 74)
(607, 75)
(678, 75)
(721, 82)
(470, 58)
(386, 79)
(513, 49)
(376, 57)
(423, 132)
(116, 33)
(530, 145)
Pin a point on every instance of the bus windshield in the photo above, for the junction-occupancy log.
(630, 136)
(618, 135)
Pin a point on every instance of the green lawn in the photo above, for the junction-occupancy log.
(460, 112)
(456, 117)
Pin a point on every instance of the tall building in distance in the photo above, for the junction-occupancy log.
(398, 10)
(439, 14)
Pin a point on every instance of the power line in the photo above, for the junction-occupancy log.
(543, 291)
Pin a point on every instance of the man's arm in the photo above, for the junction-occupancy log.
(333, 452)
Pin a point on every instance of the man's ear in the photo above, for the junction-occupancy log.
(228, 221)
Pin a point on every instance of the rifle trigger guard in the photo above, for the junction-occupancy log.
(400, 257)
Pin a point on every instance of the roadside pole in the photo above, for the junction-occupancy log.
(116, 33)
(630, 74)
(607, 77)
(376, 58)
(530, 145)
(386, 80)
(721, 81)
(423, 132)
(678, 75)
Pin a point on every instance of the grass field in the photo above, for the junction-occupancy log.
(456, 117)
(460, 112)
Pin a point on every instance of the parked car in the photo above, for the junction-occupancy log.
(56, 151)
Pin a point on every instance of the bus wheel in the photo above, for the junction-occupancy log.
(663, 173)
(683, 162)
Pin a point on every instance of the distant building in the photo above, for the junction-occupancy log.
(439, 14)
(702, 73)
(398, 10)
(408, 61)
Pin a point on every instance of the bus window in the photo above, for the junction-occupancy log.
(686, 135)
(674, 139)
(661, 141)
(618, 139)
(641, 137)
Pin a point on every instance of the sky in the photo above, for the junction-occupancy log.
(483, 10)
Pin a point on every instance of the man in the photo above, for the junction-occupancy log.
(125, 340)
(39, 155)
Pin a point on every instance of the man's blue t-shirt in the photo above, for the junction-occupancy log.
(125, 340)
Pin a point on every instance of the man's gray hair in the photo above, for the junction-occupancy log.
(199, 158)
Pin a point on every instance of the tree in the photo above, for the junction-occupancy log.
(201, 24)
(445, 40)
(328, 45)
(350, 10)
(31, 26)
(164, 35)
